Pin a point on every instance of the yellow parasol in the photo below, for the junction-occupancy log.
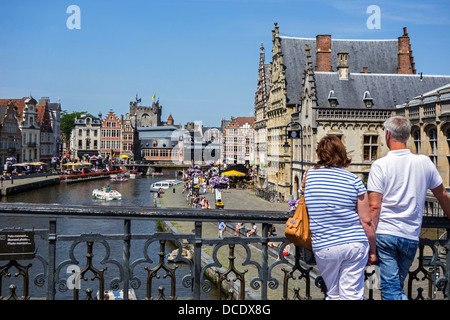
(233, 173)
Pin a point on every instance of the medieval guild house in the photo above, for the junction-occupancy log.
(328, 86)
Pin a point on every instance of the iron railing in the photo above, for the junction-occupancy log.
(56, 269)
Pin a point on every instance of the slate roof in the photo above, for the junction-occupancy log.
(380, 56)
(383, 88)
(163, 135)
(429, 97)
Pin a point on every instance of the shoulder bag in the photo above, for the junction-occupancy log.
(297, 230)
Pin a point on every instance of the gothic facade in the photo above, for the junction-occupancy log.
(261, 96)
(324, 86)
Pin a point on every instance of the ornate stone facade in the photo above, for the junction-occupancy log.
(330, 86)
(429, 114)
(261, 96)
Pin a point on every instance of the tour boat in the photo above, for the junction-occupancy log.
(163, 185)
(102, 194)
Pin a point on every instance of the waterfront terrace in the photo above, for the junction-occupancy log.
(60, 262)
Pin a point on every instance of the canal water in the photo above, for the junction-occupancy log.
(135, 192)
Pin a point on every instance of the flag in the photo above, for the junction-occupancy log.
(153, 98)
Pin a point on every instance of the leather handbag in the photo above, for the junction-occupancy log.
(297, 230)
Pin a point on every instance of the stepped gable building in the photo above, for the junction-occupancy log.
(10, 135)
(111, 135)
(29, 127)
(342, 87)
(47, 138)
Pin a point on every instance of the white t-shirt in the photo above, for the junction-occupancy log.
(403, 178)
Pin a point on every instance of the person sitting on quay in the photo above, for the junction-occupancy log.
(252, 231)
(206, 205)
(239, 226)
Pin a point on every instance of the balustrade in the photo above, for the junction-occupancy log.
(85, 265)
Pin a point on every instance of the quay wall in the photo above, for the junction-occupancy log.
(21, 186)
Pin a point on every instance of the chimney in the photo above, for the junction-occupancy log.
(403, 55)
(365, 70)
(342, 65)
(323, 52)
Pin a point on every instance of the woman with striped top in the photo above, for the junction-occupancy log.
(343, 235)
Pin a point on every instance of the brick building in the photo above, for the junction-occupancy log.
(111, 136)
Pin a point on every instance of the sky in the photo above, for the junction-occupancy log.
(198, 57)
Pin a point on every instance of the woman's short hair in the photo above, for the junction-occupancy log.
(399, 127)
(332, 153)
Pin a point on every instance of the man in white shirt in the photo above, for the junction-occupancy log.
(397, 186)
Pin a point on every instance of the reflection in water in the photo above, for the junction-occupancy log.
(134, 193)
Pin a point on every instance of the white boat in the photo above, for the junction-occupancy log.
(164, 185)
(101, 194)
(135, 175)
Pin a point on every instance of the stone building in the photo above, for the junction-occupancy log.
(146, 116)
(54, 109)
(27, 117)
(429, 114)
(85, 136)
(332, 86)
(238, 141)
(10, 135)
(261, 96)
(46, 137)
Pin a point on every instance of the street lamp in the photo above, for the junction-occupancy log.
(293, 134)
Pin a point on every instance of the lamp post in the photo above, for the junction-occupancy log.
(286, 146)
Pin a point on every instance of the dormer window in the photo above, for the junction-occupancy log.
(367, 98)
(332, 99)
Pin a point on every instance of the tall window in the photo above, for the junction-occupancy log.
(432, 138)
(416, 139)
(370, 147)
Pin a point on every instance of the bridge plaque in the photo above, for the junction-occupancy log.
(16, 245)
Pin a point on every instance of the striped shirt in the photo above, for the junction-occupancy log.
(331, 196)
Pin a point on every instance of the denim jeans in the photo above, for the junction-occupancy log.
(395, 256)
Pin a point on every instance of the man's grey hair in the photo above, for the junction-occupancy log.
(399, 127)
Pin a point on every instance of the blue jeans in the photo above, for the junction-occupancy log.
(395, 256)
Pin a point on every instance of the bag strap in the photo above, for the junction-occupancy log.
(304, 180)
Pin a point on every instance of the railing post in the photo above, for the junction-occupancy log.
(51, 289)
(265, 260)
(197, 259)
(447, 257)
(126, 256)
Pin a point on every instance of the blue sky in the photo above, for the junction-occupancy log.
(200, 57)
